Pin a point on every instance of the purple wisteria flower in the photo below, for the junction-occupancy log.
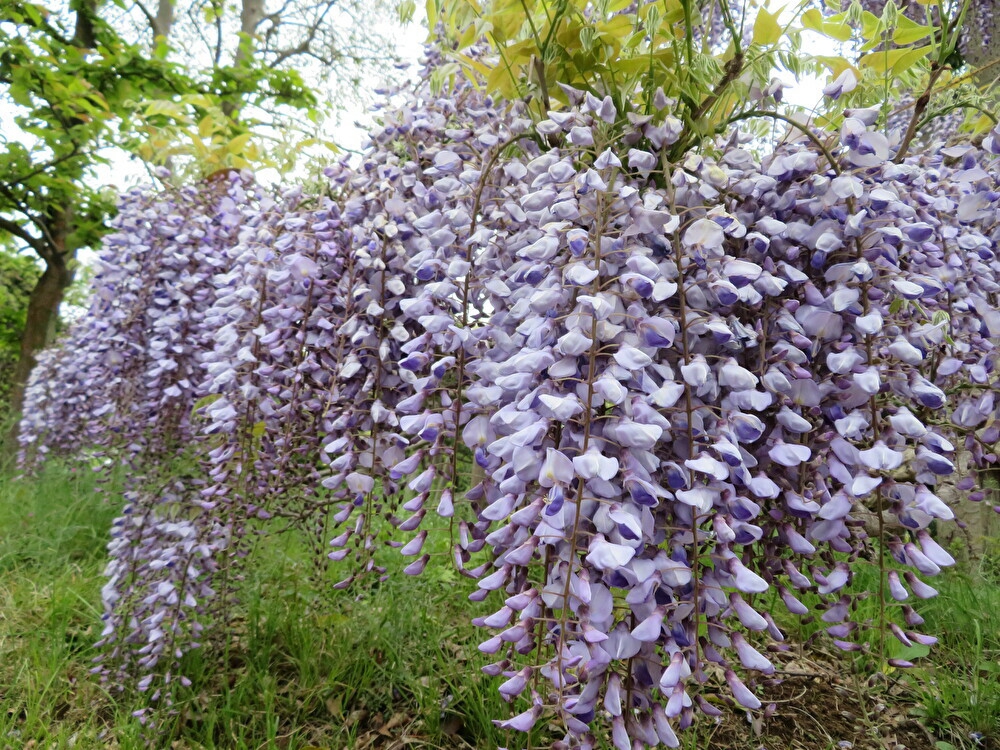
(642, 393)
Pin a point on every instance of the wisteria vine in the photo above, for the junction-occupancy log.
(687, 389)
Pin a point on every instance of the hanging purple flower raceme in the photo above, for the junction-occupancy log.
(131, 373)
(128, 373)
(651, 397)
(727, 398)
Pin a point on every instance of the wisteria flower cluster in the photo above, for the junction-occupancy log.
(684, 386)
(121, 388)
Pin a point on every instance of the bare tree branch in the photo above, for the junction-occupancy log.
(35, 243)
(150, 18)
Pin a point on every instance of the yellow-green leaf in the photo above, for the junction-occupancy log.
(165, 107)
(766, 29)
(431, 9)
(871, 26)
(837, 65)
(520, 54)
(472, 33)
(476, 65)
(237, 144)
(909, 31)
(206, 126)
(506, 25)
(982, 124)
(672, 11)
(894, 60)
(498, 79)
(834, 27)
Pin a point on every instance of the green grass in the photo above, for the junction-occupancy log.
(309, 667)
(954, 687)
(958, 693)
(52, 537)
(306, 668)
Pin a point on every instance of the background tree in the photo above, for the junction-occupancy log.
(85, 77)
(18, 275)
(67, 78)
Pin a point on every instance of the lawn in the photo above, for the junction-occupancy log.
(396, 666)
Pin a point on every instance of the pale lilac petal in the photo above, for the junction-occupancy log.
(896, 589)
(631, 358)
(619, 735)
(414, 546)
(700, 498)
(676, 670)
(416, 567)
(935, 462)
(696, 373)
(516, 684)
(868, 380)
(523, 722)
(664, 731)
(580, 274)
(667, 395)
(746, 580)
(934, 551)
(750, 618)
(446, 507)
(919, 560)
(613, 695)
(648, 631)
(750, 657)
(789, 454)
(836, 580)
(607, 159)
(793, 422)
(738, 378)
(708, 465)
(562, 408)
(740, 691)
(556, 469)
(792, 604)
(593, 464)
(918, 587)
(704, 233)
(605, 555)
(880, 457)
(863, 485)
(630, 434)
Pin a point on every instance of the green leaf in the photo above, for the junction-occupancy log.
(916, 651)
(871, 26)
(406, 10)
(161, 48)
(237, 144)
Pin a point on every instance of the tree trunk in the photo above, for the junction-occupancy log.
(164, 19)
(251, 14)
(40, 327)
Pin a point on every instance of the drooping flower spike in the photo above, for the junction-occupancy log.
(642, 394)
